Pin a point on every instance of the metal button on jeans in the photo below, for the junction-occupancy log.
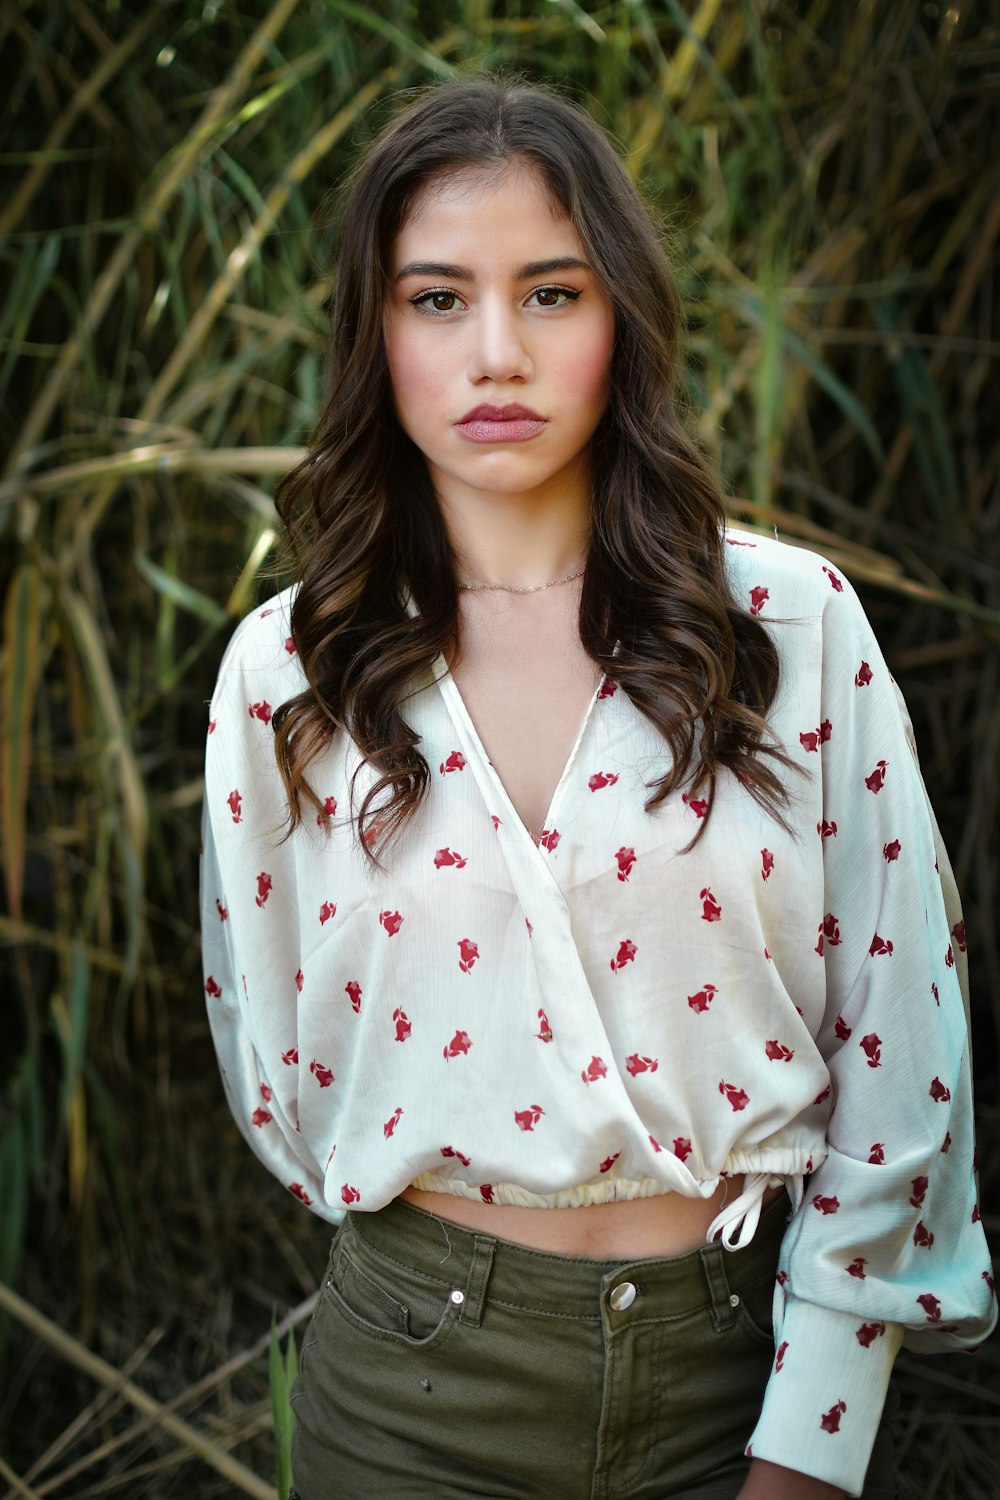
(623, 1296)
(457, 1297)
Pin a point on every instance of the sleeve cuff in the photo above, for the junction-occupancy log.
(824, 1399)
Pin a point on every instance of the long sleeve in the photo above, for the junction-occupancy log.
(250, 923)
(886, 1247)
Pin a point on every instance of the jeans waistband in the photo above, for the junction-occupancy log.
(563, 1285)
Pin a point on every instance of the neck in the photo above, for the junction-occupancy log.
(516, 540)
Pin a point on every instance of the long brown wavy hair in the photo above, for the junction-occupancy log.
(366, 530)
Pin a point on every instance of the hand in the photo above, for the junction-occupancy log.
(767, 1481)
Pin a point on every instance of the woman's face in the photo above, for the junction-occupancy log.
(498, 338)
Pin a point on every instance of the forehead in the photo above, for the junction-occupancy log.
(485, 213)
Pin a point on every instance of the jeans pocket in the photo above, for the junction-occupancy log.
(385, 1300)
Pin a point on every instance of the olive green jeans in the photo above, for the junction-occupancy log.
(441, 1363)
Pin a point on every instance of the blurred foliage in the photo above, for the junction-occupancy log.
(827, 178)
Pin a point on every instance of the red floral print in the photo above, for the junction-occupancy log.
(458, 1046)
(875, 780)
(738, 1098)
(830, 1420)
(758, 598)
(625, 955)
(468, 952)
(711, 911)
(703, 998)
(448, 858)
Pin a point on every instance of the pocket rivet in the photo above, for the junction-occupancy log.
(425, 1385)
(457, 1297)
(734, 1300)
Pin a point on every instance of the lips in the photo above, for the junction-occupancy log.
(513, 412)
(501, 424)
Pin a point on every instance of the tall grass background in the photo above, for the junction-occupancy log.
(828, 176)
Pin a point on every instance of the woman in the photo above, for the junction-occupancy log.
(608, 911)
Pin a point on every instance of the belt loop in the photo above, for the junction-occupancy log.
(476, 1283)
(713, 1262)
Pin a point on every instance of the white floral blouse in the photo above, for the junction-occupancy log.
(601, 1016)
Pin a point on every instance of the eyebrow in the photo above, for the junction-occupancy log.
(462, 273)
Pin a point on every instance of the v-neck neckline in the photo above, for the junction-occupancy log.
(463, 719)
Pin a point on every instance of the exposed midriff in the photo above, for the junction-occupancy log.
(669, 1224)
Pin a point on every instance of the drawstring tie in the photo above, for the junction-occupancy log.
(736, 1223)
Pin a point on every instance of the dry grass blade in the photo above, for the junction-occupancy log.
(18, 1485)
(22, 660)
(169, 185)
(190, 1395)
(153, 458)
(33, 181)
(98, 1407)
(98, 1369)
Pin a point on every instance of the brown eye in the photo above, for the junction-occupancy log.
(434, 302)
(553, 296)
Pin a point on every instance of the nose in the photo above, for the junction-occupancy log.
(499, 349)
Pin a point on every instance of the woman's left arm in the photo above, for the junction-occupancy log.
(887, 1242)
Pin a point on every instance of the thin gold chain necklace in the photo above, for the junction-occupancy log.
(534, 588)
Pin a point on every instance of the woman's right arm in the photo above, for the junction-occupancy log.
(250, 923)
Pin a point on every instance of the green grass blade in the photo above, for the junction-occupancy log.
(282, 1378)
(926, 419)
(822, 374)
(184, 595)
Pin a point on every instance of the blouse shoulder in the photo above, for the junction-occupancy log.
(778, 581)
(262, 641)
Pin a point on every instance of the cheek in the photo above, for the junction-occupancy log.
(589, 364)
(419, 382)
